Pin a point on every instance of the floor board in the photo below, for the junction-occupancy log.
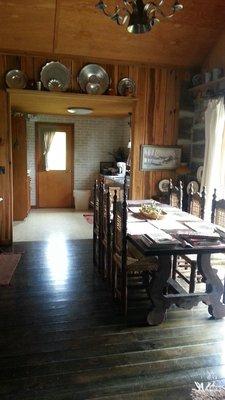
(61, 337)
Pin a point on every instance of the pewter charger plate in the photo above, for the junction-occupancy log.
(126, 86)
(16, 79)
(93, 79)
(55, 76)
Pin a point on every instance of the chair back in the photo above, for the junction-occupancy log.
(96, 225)
(176, 195)
(196, 202)
(96, 206)
(106, 212)
(120, 226)
(218, 211)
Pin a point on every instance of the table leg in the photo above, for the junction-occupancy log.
(156, 290)
(214, 287)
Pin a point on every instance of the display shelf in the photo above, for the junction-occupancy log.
(56, 103)
(207, 85)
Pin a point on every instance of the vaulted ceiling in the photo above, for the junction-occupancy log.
(77, 28)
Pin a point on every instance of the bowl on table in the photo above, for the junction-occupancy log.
(150, 211)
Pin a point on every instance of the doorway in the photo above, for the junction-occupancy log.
(54, 165)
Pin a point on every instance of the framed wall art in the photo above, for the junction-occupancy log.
(159, 157)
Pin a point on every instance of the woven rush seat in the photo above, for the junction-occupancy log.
(138, 265)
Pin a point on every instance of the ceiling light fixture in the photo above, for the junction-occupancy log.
(79, 110)
(139, 16)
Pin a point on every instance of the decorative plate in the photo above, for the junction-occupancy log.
(55, 76)
(164, 185)
(199, 174)
(93, 79)
(16, 79)
(126, 87)
(195, 186)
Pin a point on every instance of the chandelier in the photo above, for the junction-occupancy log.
(139, 16)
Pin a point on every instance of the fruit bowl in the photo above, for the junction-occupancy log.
(151, 212)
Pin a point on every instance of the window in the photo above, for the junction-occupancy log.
(56, 156)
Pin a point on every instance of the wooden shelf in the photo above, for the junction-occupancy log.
(56, 103)
(205, 86)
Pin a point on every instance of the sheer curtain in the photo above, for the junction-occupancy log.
(47, 141)
(214, 160)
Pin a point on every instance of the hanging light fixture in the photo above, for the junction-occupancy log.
(139, 16)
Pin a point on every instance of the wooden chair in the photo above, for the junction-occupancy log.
(196, 207)
(196, 202)
(125, 260)
(96, 226)
(175, 195)
(218, 211)
(105, 236)
(218, 218)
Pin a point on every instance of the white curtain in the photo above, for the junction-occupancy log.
(47, 141)
(214, 160)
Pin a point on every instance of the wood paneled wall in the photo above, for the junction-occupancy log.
(6, 178)
(156, 116)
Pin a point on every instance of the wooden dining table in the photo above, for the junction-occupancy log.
(177, 233)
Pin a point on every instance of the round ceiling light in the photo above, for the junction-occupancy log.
(79, 110)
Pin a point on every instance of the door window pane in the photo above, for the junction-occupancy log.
(56, 157)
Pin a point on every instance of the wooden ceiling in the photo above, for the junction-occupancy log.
(76, 27)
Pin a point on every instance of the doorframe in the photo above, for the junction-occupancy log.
(61, 124)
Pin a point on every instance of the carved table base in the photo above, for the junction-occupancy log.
(160, 302)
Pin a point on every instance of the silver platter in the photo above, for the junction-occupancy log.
(126, 87)
(93, 79)
(55, 76)
(16, 79)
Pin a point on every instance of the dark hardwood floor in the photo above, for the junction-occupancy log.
(61, 336)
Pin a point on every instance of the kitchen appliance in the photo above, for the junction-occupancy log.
(122, 168)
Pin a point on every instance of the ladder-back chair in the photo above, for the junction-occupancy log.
(175, 195)
(196, 202)
(218, 211)
(196, 207)
(96, 226)
(125, 260)
(106, 234)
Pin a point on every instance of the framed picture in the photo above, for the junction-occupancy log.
(159, 157)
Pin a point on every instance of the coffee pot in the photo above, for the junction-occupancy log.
(122, 168)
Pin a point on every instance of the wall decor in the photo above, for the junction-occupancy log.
(159, 157)
(16, 79)
(93, 79)
(55, 76)
(126, 87)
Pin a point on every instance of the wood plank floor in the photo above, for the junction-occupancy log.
(61, 337)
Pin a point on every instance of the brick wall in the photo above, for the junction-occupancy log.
(94, 138)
